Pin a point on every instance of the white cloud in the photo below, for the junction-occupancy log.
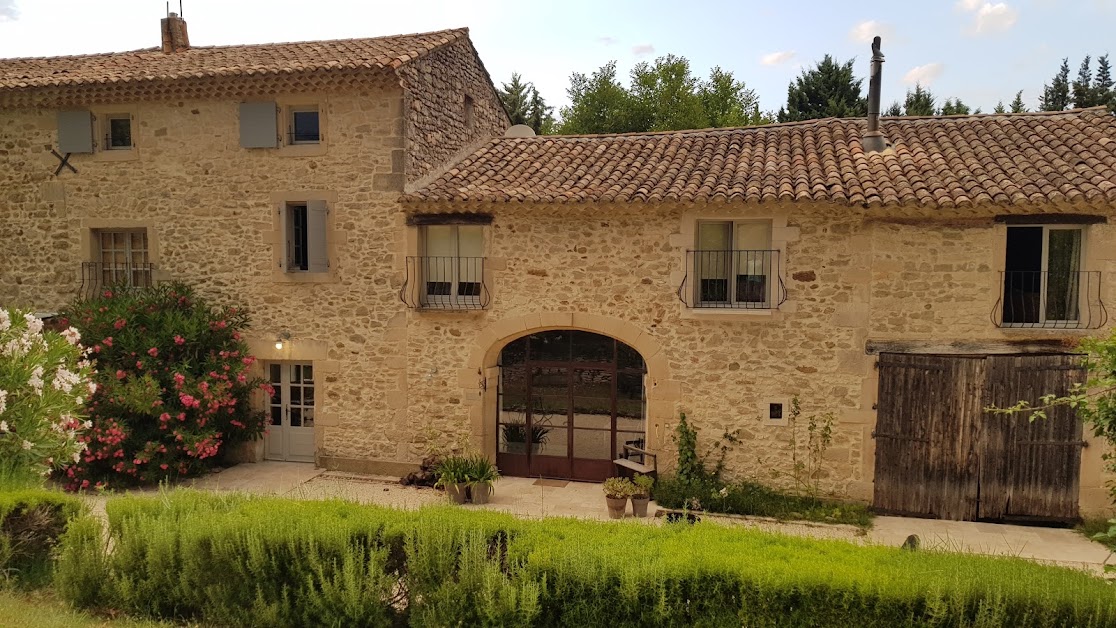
(863, 32)
(777, 58)
(988, 17)
(642, 50)
(8, 11)
(994, 18)
(923, 74)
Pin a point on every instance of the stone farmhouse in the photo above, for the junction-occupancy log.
(420, 275)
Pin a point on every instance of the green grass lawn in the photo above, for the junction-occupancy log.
(41, 609)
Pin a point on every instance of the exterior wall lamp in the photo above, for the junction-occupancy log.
(282, 338)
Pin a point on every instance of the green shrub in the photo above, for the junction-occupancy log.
(82, 575)
(268, 561)
(31, 522)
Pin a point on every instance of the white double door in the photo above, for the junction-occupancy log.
(291, 433)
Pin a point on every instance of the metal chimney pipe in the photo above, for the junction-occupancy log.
(873, 140)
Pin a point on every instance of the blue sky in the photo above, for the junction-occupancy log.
(981, 51)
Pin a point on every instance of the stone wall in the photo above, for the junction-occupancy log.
(438, 127)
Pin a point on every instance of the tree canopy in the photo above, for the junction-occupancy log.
(525, 106)
(662, 96)
(828, 90)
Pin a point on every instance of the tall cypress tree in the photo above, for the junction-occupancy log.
(1017, 105)
(1083, 95)
(1056, 95)
(920, 102)
(828, 90)
(1105, 94)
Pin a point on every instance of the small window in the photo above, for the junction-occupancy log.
(469, 120)
(452, 265)
(122, 257)
(734, 264)
(304, 125)
(118, 132)
(304, 225)
(1042, 275)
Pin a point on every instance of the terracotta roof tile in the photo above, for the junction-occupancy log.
(153, 64)
(944, 162)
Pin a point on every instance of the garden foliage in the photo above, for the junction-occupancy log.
(31, 522)
(173, 385)
(234, 560)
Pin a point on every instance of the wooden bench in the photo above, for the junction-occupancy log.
(627, 467)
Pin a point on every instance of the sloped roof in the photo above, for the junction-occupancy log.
(941, 162)
(152, 64)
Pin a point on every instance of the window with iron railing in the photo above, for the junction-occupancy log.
(1043, 284)
(122, 260)
(450, 276)
(733, 267)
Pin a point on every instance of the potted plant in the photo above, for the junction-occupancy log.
(617, 491)
(453, 476)
(515, 436)
(480, 476)
(641, 493)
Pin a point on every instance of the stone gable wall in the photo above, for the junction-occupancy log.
(436, 86)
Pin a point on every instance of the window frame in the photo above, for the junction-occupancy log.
(291, 115)
(733, 300)
(130, 270)
(1044, 276)
(453, 300)
(108, 119)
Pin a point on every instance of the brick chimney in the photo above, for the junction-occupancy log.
(174, 34)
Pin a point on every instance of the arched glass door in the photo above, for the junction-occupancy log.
(568, 401)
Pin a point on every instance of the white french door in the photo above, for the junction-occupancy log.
(291, 411)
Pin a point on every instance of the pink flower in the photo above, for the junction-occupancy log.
(178, 340)
(107, 294)
(153, 352)
(120, 323)
(120, 374)
(107, 341)
(189, 401)
(139, 365)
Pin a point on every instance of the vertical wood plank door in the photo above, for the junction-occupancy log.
(940, 454)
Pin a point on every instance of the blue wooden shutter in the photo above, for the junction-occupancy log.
(75, 132)
(258, 125)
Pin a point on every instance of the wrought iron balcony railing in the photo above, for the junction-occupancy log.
(1050, 299)
(97, 276)
(743, 280)
(445, 283)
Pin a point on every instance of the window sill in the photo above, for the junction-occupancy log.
(131, 154)
(302, 150)
(729, 314)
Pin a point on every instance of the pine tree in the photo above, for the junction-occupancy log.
(957, 108)
(829, 90)
(525, 106)
(920, 102)
(894, 109)
(1017, 105)
(1083, 95)
(1105, 94)
(1056, 96)
(999, 108)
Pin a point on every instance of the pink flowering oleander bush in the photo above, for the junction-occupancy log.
(173, 386)
(45, 382)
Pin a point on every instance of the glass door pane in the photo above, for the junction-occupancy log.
(438, 270)
(547, 432)
(752, 262)
(1063, 288)
(470, 252)
(713, 261)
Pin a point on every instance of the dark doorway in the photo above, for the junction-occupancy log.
(567, 403)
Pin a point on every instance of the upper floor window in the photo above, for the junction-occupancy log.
(304, 124)
(734, 266)
(452, 265)
(1044, 284)
(118, 131)
(304, 234)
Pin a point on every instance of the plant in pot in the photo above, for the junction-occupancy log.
(515, 436)
(453, 476)
(617, 491)
(480, 476)
(641, 493)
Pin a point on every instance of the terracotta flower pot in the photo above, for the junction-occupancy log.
(639, 506)
(457, 492)
(616, 507)
(480, 493)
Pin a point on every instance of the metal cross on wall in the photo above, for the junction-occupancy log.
(64, 163)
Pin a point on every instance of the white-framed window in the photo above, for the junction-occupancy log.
(304, 235)
(452, 265)
(734, 264)
(304, 124)
(1043, 276)
(122, 257)
(117, 131)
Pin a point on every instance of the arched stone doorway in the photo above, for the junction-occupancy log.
(567, 401)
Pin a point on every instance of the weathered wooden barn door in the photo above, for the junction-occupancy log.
(925, 462)
(940, 454)
(1030, 469)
